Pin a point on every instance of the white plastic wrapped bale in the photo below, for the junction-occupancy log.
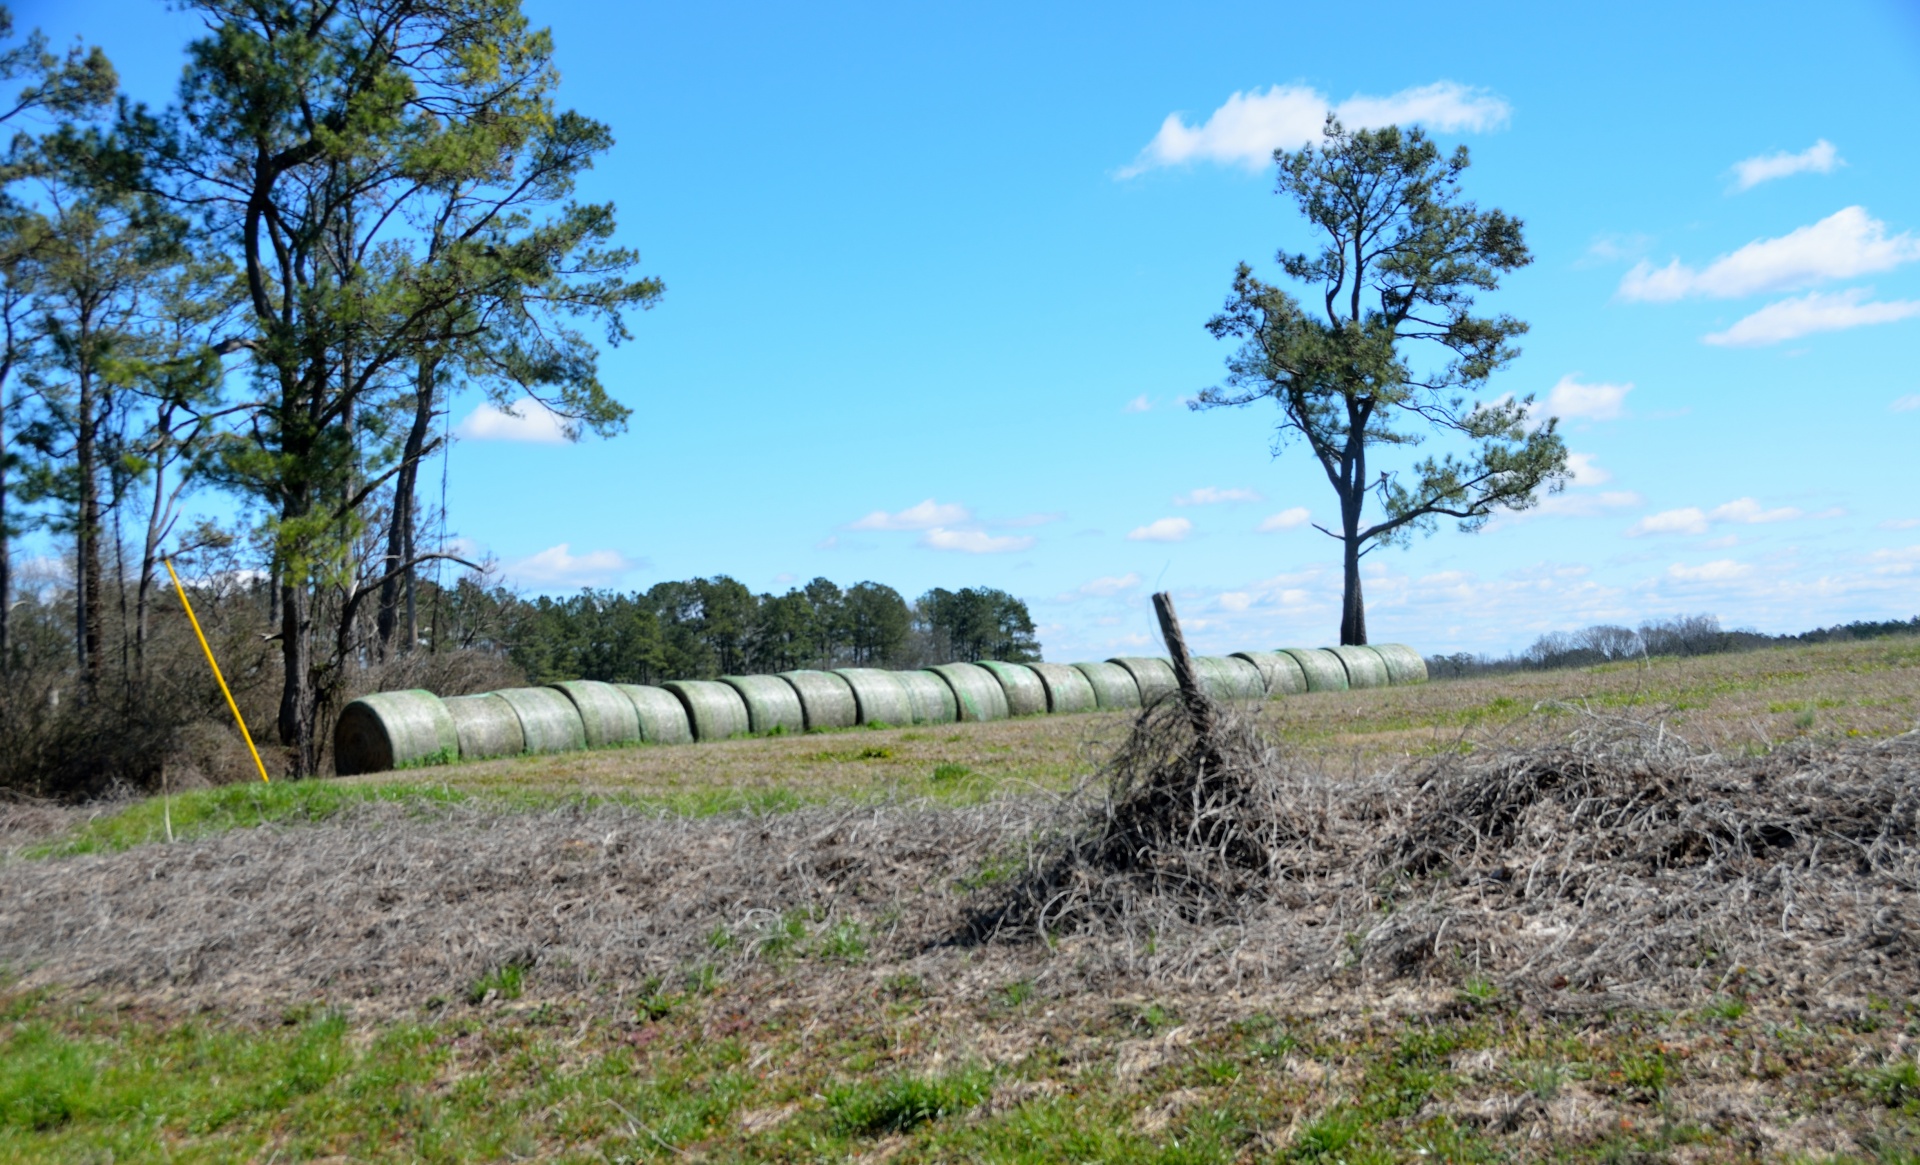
(1154, 677)
(486, 725)
(1113, 686)
(1026, 695)
(771, 703)
(714, 710)
(1280, 671)
(663, 718)
(879, 695)
(393, 730)
(978, 695)
(1404, 664)
(548, 720)
(1067, 688)
(825, 699)
(1365, 669)
(606, 715)
(1323, 670)
(1228, 677)
(932, 699)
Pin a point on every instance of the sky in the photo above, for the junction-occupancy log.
(938, 278)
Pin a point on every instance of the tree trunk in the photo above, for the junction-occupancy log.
(1353, 605)
(400, 527)
(296, 687)
(6, 549)
(87, 540)
(1200, 710)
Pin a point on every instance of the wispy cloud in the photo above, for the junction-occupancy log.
(1291, 518)
(1163, 530)
(1905, 404)
(1109, 585)
(924, 516)
(975, 541)
(525, 420)
(1586, 470)
(1844, 245)
(1814, 312)
(1720, 570)
(1138, 404)
(1818, 158)
(1571, 400)
(1740, 511)
(1250, 126)
(1208, 495)
(560, 566)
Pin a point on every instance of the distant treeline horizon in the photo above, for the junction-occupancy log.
(1679, 635)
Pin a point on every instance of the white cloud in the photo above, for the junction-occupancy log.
(1208, 495)
(1900, 524)
(1845, 244)
(1691, 520)
(559, 566)
(1291, 518)
(1740, 511)
(1815, 312)
(974, 541)
(1236, 600)
(1164, 530)
(1752, 513)
(1905, 404)
(1250, 126)
(1719, 570)
(1571, 400)
(1585, 472)
(525, 420)
(1110, 585)
(924, 516)
(1576, 505)
(1138, 404)
(1818, 158)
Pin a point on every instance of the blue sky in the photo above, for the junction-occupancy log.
(937, 278)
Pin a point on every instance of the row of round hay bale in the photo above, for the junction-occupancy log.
(486, 726)
(1066, 687)
(390, 730)
(1404, 664)
(715, 710)
(1279, 671)
(825, 699)
(1227, 677)
(879, 695)
(1026, 695)
(932, 699)
(606, 715)
(549, 722)
(977, 695)
(1364, 668)
(1113, 686)
(662, 717)
(1322, 669)
(772, 703)
(1153, 677)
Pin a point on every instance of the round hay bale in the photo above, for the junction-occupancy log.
(1322, 669)
(1365, 669)
(1154, 677)
(879, 695)
(487, 726)
(1404, 664)
(1231, 678)
(825, 699)
(933, 701)
(606, 714)
(1067, 688)
(1026, 695)
(1280, 672)
(548, 720)
(662, 717)
(976, 694)
(714, 710)
(1113, 686)
(771, 703)
(393, 730)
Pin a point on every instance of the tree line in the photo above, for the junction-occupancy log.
(1682, 635)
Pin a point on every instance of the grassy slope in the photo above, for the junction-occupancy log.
(751, 1070)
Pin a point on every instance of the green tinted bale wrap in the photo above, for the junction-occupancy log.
(487, 726)
(1279, 671)
(771, 703)
(825, 699)
(605, 713)
(1113, 686)
(976, 693)
(879, 695)
(1231, 678)
(1322, 669)
(933, 701)
(1067, 688)
(714, 710)
(663, 718)
(1026, 695)
(1154, 677)
(1365, 668)
(548, 720)
(1404, 665)
(390, 730)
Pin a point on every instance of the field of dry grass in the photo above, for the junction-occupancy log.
(1667, 911)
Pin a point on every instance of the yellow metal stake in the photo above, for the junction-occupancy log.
(235, 708)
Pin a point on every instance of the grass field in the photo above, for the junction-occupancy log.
(756, 950)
